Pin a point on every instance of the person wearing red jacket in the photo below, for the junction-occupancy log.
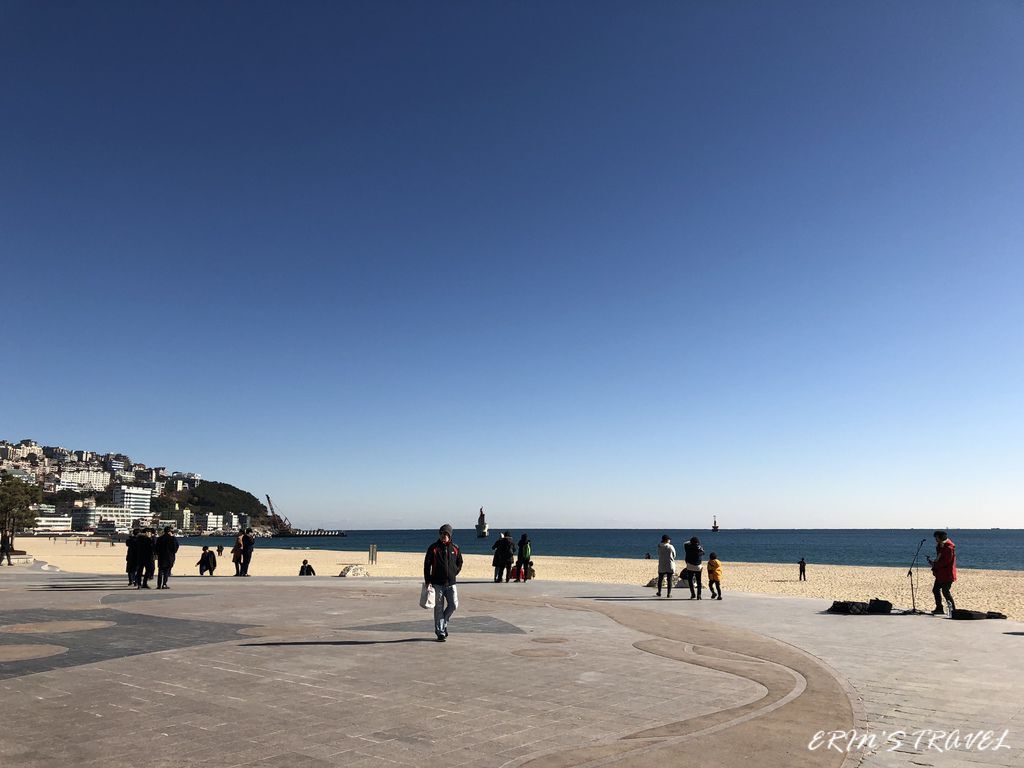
(944, 571)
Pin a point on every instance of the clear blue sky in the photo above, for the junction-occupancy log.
(583, 263)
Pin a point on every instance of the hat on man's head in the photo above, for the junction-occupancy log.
(446, 528)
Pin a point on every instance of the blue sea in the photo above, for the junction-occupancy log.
(999, 549)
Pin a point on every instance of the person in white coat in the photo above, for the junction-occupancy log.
(666, 564)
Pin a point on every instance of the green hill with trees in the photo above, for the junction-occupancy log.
(217, 498)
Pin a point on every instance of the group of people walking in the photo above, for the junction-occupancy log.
(146, 554)
(241, 555)
(506, 552)
(693, 556)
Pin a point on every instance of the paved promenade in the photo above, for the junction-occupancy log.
(303, 673)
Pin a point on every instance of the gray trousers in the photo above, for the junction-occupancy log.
(446, 600)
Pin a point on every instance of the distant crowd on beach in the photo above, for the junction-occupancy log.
(511, 560)
(693, 566)
(146, 554)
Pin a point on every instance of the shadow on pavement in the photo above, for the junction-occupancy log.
(347, 642)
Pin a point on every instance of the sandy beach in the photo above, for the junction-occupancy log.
(975, 589)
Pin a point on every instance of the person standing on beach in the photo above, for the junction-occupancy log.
(6, 545)
(523, 558)
(441, 567)
(207, 562)
(715, 576)
(944, 571)
(236, 555)
(166, 550)
(694, 554)
(504, 553)
(306, 569)
(144, 551)
(248, 544)
(131, 558)
(666, 564)
(803, 569)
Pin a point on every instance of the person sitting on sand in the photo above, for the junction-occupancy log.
(715, 576)
(306, 569)
(944, 571)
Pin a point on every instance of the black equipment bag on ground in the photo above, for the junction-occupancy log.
(963, 613)
(850, 607)
(879, 606)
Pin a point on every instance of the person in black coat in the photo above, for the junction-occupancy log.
(166, 549)
(248, 544)
(306, 569)
(144, 552)
(504, 553)
(441, 567)
(6, 545)
(694, 554)
(131, 557)
(207, 562)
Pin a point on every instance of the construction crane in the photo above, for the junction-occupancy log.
(279, 526)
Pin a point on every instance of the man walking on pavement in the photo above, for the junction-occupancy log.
(441, 567)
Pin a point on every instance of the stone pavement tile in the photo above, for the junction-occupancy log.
(290, 760)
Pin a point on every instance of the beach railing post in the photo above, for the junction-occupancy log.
(373, 554)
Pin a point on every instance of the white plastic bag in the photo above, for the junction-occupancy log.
(427, 596)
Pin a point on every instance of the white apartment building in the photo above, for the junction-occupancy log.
(87, 518)
(136, 499)
(86, 478)
(19, 451)
(184, 518)
(209, 521)
(53, 523)
(230, 521)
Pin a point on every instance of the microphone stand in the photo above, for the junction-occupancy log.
(910, 575)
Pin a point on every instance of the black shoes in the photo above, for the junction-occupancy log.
(440, 637)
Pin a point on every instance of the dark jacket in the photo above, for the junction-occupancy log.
(145, 548)
(6, 542)
(442, 563)
(693, 553)
(306, 570)
(248, 543)
(131, 557)
(207, 561)
(504, 551)
(166, 546)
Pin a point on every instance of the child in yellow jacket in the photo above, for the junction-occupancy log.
(715, 576)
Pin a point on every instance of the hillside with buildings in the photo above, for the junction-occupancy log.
(108, 493)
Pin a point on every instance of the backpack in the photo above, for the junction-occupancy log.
(879, 606)
(848, 607)
(964, 614)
